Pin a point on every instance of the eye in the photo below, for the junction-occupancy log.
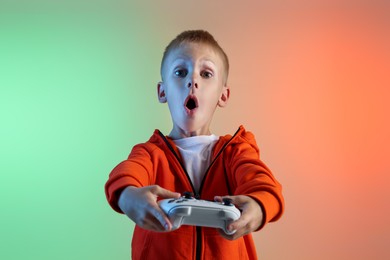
(181, 73)
(206, 74)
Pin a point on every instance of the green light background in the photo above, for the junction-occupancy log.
(77, 81)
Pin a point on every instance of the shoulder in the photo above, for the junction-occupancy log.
(152, 146)
(242, 136)
(242, 141)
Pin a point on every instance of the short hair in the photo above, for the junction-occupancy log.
(197, 36)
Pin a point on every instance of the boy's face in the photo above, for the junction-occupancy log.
(193, 85)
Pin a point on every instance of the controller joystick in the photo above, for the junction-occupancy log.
(188, 195)
(190, 211)
(227, 201)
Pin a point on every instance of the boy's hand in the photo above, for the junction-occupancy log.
(140, 205)
(251, 216)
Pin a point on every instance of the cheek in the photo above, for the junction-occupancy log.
(175, 100)
(210, 100)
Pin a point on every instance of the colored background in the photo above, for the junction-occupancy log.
(78, 89)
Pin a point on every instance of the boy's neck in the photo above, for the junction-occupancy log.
(178, 133)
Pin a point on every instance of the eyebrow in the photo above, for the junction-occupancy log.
(184, 60)
(209, 61)
(178, 60)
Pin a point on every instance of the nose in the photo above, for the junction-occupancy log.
(192, 83)
(192, 80)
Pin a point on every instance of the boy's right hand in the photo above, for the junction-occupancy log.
(140, 205)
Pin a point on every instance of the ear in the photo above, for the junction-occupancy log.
(161, 92)
(223, 99)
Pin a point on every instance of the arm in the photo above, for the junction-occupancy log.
(130, 190)
(257, 193)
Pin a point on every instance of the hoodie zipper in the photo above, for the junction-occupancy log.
(197, 194)
(215, 159)
(179, 161)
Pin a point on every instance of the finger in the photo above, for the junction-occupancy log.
(243, 223)
(162, 218)
(241, 228)
(153, 221)
(232, 237)
(153, 225)
(236, 225)
(218, 198)
(164, 193)
(236, 200)
(239, 224)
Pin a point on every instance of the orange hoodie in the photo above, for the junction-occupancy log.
(235, 169)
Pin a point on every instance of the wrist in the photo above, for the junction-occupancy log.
(124, 196)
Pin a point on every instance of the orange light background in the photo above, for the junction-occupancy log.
(309, 78)
(316, 95)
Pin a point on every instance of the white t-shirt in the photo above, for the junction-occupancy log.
(196, 154)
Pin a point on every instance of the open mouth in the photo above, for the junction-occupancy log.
(191, 102)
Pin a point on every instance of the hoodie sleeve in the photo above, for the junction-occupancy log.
(135, 171)
(253, 178)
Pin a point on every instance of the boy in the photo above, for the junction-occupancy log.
(194, 73)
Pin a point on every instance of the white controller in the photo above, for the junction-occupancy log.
(190, 211)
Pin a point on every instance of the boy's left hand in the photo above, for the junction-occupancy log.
(251, 216)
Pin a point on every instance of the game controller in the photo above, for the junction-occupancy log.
(190, 211)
